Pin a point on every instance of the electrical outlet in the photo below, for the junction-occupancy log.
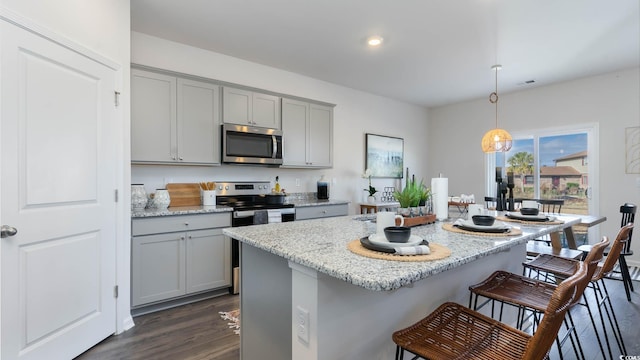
(302, 317)
(297, 182)
(167, 181)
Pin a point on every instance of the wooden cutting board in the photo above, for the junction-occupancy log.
(184, 194)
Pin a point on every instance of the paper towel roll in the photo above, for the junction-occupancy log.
(440, 191)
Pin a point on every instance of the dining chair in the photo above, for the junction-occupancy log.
(560, 268)
(628, 214)
(553, 206)
(490, 202)
(454, 331)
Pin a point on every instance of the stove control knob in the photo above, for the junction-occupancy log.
(219, 187)
(226, 187)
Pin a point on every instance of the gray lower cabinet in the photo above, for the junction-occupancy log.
(175, 256)
(321, 211)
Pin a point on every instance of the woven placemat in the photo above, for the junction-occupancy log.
(437, 252)
(554, 222)
(450, 227)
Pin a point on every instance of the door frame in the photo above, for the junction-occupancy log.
(124, 320)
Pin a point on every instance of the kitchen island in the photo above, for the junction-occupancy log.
(304, 295)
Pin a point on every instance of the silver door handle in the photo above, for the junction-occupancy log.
(275, 146)
(7, 231)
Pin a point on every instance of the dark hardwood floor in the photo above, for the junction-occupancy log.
(189, 332)
(196, 332)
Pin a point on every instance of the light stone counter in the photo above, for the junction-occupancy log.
(322, 245)
(304, 295)
(180, 210)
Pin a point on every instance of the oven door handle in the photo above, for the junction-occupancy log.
(242, 214)
(275, 146)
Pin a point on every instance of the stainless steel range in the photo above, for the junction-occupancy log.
(246, 198)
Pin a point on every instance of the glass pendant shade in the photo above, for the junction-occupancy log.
(496, 140)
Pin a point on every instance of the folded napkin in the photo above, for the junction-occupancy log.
(413, 250)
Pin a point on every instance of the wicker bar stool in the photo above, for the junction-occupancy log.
(456, 332)
(560, 268)
(532, 295)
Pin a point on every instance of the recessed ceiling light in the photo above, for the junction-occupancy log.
(374, 41)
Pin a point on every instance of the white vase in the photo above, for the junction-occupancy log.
(371, 199)
(138, 197)
(161, 199)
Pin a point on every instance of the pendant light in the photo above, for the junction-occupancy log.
(496, 140)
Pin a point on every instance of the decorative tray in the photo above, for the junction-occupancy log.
(418, 220)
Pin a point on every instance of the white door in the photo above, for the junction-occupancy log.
(57, 184)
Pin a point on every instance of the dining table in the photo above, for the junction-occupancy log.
(309, 291)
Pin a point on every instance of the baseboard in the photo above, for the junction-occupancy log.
(163, 305)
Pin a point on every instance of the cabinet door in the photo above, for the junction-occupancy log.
(198, 124)
(208, 260)
(237, 106)
(157, 267)
(266, 111)
(295, 115)
(153, 117)
(320, 136)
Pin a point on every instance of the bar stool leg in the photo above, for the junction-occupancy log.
(626, 277)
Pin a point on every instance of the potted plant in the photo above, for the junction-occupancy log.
(412, 196)
(408, 197)
(371, 190)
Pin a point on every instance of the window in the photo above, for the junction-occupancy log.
(550, 164)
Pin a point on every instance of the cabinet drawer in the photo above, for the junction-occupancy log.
(322, 211)
(165, 224)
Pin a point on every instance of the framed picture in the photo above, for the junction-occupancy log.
(384, 156)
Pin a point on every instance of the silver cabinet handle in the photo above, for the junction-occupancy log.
(7, 231)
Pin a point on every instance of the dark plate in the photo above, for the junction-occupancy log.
(487, 230)
(527, 217)
(368, 245)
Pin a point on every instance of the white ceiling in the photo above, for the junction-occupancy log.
(435, 52)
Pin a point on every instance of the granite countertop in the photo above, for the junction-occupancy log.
(188, 210)
(321, 244)
(180, 210)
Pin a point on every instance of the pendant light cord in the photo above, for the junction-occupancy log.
(493, 98)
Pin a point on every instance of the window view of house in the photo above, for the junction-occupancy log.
(550, 167)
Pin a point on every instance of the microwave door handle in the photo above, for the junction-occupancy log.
(275, 146)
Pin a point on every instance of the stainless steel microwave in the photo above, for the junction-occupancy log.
(251, 145)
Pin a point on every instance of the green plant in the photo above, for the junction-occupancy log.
(413, 194)
(425, 193)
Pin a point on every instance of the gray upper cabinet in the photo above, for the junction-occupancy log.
(245, 107)
(307, 134)
(174, 120)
